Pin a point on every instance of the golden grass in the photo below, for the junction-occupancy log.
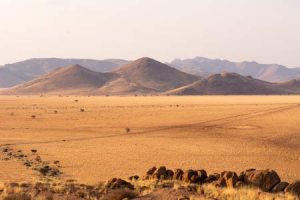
(215, 133)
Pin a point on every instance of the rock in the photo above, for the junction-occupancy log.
(190, 176)
(178, 174)
(38, 159)
(243, 175)
(240, 184)
(279, 187)
(293, 188)
(202, 175)
(33, 150)
(135, 177)
(44, 170)
(151, 171)
(27, 163)
(56, 162)
(169, 174)
(221, 182)
(192, 188)
(117, 183)
(213, 177)
(230, 178)
(263, 179)
(160, 173)
(54, 172)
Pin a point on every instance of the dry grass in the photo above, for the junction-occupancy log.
(215, 133)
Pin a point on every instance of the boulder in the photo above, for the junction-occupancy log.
(263, 179)
(212, 177)
(169, 174)
(190, 176)
(240, 184)
(279, 187)
(151, 171)
(230, 178)
(244, 174)
(178, 174)
(117, 183)
(221, 182)
(135, 177)
(160, 173)
(293, 188)
(202, 175)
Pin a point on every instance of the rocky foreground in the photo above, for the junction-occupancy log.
(163, 183)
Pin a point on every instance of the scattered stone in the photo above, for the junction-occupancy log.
(178, 174)
(160, 173)
(169, 174)
(38, 159)
(135, 177)
(117, 183)
(279, 187)
(293, 188)
(27, 163)
(151, 171)
(190, 176)
(240, 184)
(230, 178)
(263, 179)
(213, 177)
(202, 175)
(33, 150)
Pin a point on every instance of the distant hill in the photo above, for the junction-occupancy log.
(155, 75)
(231, 84)
(72, 79)
(205, 67)
(142, 76)
(20, 72)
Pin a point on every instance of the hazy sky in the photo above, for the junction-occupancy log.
(267, 31)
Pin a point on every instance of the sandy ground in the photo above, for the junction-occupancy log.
(215, 133)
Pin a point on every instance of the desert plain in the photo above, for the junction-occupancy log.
(96, 138)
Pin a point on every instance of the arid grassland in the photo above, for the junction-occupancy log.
(97, 138)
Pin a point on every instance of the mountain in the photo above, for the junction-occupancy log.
(73, 79)
(205, 67)
(155, 75)
(143, 76)
(231, 84)
(293, 85)
(20, 72)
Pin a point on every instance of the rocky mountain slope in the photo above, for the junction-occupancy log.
(142, 76)
(231, 84)
(20, 72)
(267, 72)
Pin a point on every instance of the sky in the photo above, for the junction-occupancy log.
(266, 31)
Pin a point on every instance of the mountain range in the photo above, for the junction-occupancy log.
(21, 72)
(267, 72)
(146, 76)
